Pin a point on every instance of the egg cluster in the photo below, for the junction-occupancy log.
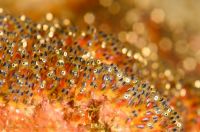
(83, 69)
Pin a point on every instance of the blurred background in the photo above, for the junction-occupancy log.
(166, 32)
